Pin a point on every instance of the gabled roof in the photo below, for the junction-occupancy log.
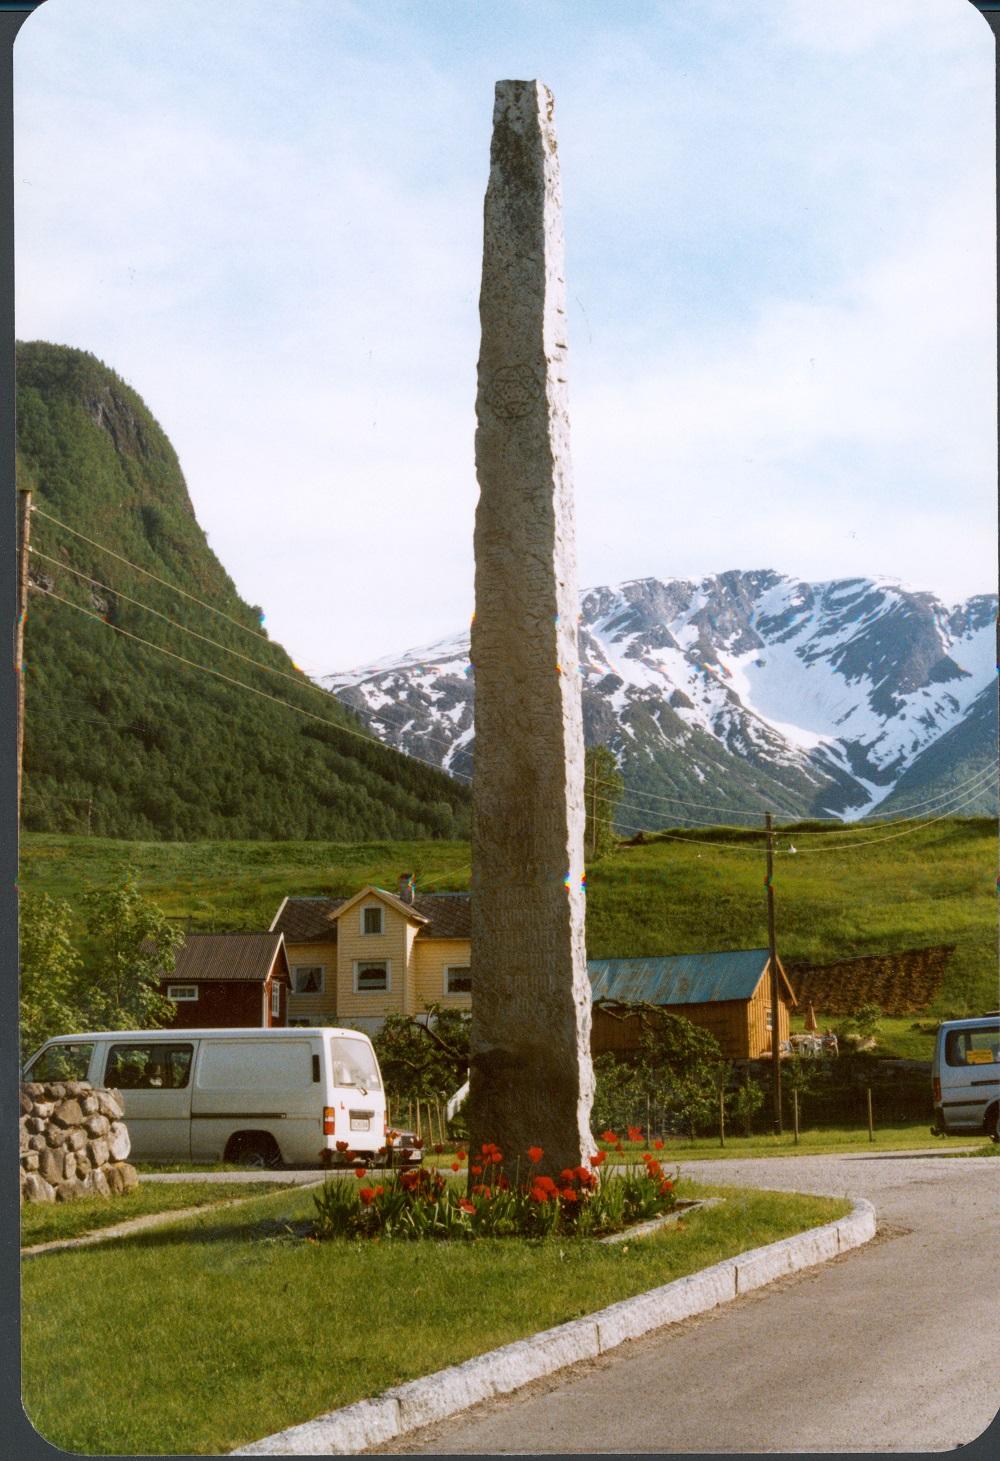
(246, 958)
(408, 910)
(314, 920)
(682, 978)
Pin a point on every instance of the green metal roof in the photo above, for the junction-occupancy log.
(680, 979)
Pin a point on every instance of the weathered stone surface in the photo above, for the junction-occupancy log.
(25, 1102)
(531, 1080)
(99, 1152)
(97, 1184)
(121, 1177)
(68, 1113)
(36, 1189)
(70, 1190)
(110, 1104)
(51, 1165)
(119, 1142)
(66, 1143)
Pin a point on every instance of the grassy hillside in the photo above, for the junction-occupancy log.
(934, 886)
(127, 740)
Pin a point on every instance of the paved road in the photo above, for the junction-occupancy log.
(890, 1348)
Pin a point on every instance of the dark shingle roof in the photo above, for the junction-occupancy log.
(449, 914)
(238, 957)
(681, 979)
(308, 920)
(313, 920)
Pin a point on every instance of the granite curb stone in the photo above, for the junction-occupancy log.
(436, 1397)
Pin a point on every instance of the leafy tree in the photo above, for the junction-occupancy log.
(603, 787)
(747, 1102)
(132, 945)
(50, 966)
(423, 1056)
(620, 1092)
(864, 1024)
(798, 1077)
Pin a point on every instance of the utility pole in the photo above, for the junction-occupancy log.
(775, 991)
(24, 533)
(593, 808)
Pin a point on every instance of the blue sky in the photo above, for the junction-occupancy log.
(780, 243)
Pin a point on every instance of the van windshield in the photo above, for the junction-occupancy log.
(354, 1063)
(61, 1063)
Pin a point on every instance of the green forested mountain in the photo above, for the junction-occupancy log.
(125, 741)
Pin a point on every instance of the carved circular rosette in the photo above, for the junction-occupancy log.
(512, 391)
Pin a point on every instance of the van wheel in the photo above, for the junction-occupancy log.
(992, 1123)
(254, 1149)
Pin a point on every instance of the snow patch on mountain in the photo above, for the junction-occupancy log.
(827, 691)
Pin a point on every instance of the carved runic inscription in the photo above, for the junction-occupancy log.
(512, 391)
(531, 1080)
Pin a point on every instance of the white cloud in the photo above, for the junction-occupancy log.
(780, 244)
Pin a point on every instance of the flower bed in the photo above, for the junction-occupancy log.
(425, 1203)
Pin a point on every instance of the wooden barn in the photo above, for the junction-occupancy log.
(229, 979)
(728, 994)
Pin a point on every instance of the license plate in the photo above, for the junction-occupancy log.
(359, 1123)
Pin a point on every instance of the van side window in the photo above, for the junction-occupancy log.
(973, 1046)
(61, 1063)
(148, 1067)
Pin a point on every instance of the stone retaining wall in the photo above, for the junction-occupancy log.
(73, 1142)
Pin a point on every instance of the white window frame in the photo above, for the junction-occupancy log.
(371, 932)
(275, 1000)
(769, 1017)
(449, 969)
(388, 976)
(173, 992)
(301, 969)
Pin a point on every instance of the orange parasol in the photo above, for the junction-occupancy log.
(811, 1024)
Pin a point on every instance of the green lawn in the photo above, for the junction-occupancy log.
(227, 1327)
(44, 1222)
(906, 1136)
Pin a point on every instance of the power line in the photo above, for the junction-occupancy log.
(870, 841)
(979, 781)
(305, 683)
(299, 679)
(240, 684)
(258, 633)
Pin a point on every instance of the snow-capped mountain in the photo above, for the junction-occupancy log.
(745, 692)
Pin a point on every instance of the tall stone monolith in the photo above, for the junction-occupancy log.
(532, 1081)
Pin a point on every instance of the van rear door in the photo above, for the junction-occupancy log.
(154, 1078)
(969, 1073)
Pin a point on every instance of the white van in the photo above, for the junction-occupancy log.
(262, 1097)
(966, 1076)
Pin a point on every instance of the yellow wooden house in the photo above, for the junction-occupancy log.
(355, 960)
